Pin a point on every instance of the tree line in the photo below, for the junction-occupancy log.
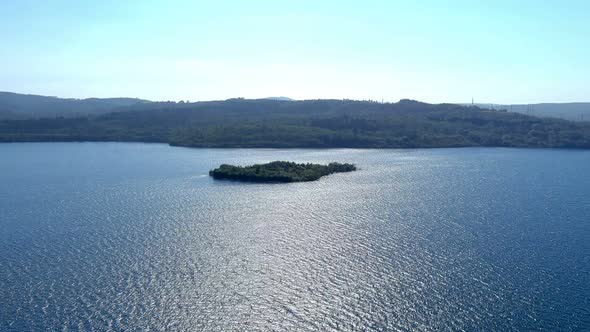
(307, 124)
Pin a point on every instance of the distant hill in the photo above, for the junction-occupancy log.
(6, 114)
(265, 123)
(280, 98)
(24, 106)
(568, 111)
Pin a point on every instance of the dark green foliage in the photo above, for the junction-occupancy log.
(567, 111)
(307, 124)
(279, 171)
(22, 106)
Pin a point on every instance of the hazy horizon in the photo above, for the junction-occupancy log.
(432, 51)
(477, 103)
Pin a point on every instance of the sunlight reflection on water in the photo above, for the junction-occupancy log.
(138, 237)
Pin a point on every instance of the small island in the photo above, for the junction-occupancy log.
(279, 171)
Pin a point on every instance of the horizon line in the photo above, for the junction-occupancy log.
(383, 100)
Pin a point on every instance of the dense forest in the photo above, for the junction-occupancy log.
(279, 171)
(22, 106)
(306, 124)
(567, 111)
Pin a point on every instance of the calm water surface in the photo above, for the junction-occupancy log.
(113, 236)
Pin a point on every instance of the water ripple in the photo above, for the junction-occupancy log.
(424, 240)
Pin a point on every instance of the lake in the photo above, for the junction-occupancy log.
(125, 236)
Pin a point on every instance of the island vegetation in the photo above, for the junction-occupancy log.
(245, 123)
(279, 171)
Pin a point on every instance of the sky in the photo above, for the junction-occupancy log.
(500, 51)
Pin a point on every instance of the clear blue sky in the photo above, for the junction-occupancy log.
(501, 51)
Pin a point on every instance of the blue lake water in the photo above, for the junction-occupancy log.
(117, 236)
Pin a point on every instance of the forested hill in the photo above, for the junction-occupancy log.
(307, 124)
(24, 106)
(567, 111)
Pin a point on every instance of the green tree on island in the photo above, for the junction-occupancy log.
(279, 171)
